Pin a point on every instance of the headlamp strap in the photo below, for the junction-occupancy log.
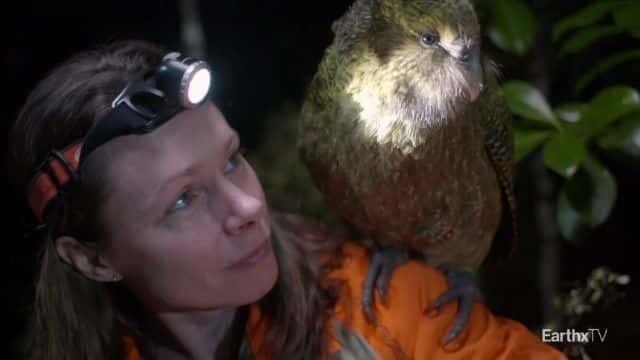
(119, 121)
(143, 105)
(53, 177)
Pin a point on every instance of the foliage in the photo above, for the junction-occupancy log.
(574, 134)
(577, 132)
(601, 290)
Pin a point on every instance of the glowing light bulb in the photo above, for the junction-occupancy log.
(198, 87)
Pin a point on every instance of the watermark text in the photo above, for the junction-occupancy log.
(591, 335)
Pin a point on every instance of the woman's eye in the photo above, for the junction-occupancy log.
(183, 201)
(429, 38)
(234, 161)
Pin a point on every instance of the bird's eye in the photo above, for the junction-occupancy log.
(429, 38)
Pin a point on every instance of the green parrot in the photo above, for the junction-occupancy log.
(405, 133)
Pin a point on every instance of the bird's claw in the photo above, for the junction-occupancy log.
(462, 286)
(383, 262)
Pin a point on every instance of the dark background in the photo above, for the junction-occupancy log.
(264, 53)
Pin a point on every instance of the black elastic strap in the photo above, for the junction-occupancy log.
(118, 122)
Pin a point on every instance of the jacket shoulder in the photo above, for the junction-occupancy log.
(404, 329)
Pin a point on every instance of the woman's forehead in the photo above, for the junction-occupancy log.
(141, 160)
(189, 128)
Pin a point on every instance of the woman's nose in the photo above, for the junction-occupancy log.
(245, 211)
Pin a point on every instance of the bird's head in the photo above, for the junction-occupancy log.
(430, 50)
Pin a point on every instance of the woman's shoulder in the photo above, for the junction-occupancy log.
(413, 286)
(403, 328)
(411, 278)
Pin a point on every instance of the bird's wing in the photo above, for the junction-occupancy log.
(499, 146)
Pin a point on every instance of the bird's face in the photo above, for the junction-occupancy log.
(434, 50)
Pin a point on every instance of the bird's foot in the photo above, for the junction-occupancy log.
(462, 286)
(383, 262)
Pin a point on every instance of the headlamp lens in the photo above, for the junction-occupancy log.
(198, 86)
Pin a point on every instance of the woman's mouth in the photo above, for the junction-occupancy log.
(254, 256)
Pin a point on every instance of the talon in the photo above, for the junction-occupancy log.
(383, 262)
(444, 299)
(466, 304)
(462, 286)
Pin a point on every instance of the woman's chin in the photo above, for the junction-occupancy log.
(256, 281)
(266, 273)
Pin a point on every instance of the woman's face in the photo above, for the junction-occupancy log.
(187, 220)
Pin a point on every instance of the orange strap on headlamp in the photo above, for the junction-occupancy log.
(53, 177)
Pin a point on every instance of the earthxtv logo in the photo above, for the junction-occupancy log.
(574, 336)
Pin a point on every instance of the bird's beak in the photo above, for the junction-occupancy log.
(471, 58)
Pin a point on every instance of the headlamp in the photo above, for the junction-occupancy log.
(176, 84)
(185, 81)
(147, 102)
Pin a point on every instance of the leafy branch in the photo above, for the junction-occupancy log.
(573, 134)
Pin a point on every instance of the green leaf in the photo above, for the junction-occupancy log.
(564, 153)
(513, 25)
(607, 106)
(628, 16)
(586, 199)
(624, 137)
(605, 66)
(567, 218)
(585, 37)
(528, 140)
(588, 15)
(528, 102)
(602, 193)
(570, 112)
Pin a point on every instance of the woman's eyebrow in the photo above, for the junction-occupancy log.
(182, 173)
(155, 195)
(231, 142)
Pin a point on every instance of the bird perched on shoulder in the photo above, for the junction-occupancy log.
(406, 135)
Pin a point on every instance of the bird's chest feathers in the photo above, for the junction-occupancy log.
(384, 127)
(396, 114)
(385, 143)
(383, 120)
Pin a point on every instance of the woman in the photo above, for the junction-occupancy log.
(163, 247)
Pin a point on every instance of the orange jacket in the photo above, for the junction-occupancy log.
(403, 330)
